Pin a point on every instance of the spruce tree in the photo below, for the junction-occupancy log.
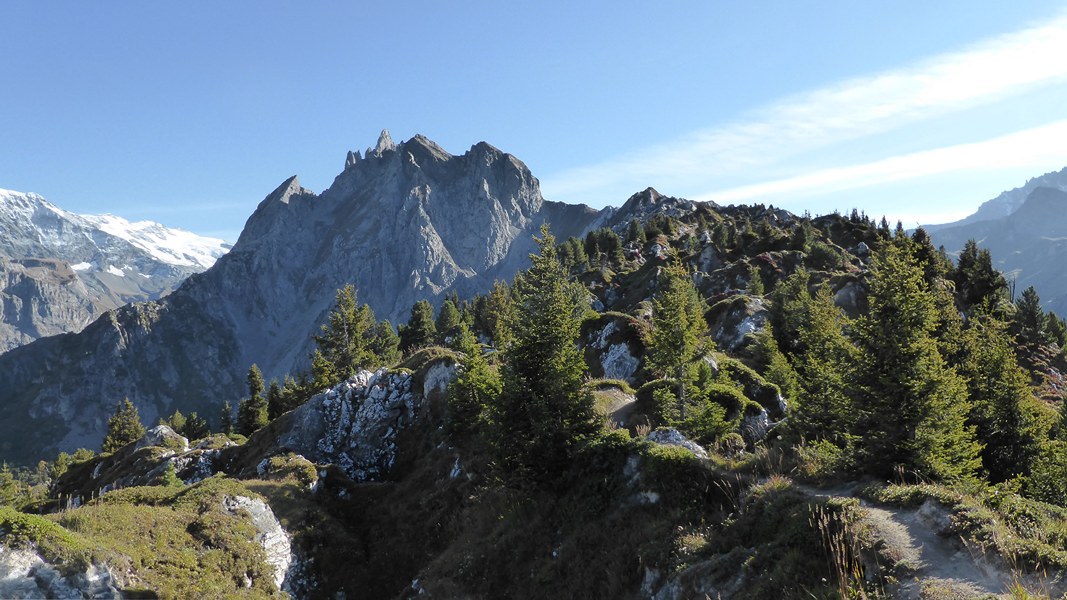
(635, 233)
(123, 427)
(448, 319)
(385, 343)
(755, 280)
(911, 406)
(344, 337)
(252, 411)
(226, 418)
(196, 427)
(420, 330)
(275, 401)
(474, 389)
(980, 286)
(678, 336)
(1030, 321)
(543, 408)
(1004, 410)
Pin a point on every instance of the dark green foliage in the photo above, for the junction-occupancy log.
(1004, 409)
(384, 343)
(604, 247)
(420, 330)
(475, 388)
(123, 427)
(226, 418)
(1030, 322)
(823, 409)
(934, 263)
(196, 427)
(774, 364)
(252, 411)
(448, 319)
(543, 408)
(275, 406)
(789, 300)
(344, 339)
(755, 280)
(911, 405)
(679, 332)
(635, 233)
(1056, 330)
(1048, 475)
(980, 286)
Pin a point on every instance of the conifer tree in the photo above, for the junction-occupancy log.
(252, 411)
(475, 387)
(384, 343)
(176, 422)
(911, 406)
(1031, 322)
(823, 408)
(448, 319)
(275, 400)
(196, 427)
(1004, 410)
(678, 336)
(420, 330)
(226, 418)
(980, 286)
(123, 427)
(755, 280)
(635, 233)
(543, 408)
(344, 337)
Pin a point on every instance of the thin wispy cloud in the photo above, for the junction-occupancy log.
(990, 71)
(1031, 146)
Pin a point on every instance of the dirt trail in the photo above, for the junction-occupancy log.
(939, 566)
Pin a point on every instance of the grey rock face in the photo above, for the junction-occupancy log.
(406, 222)
(269, 533)
(355, 424)
(672, 437)
(24, 574)
(59, 270)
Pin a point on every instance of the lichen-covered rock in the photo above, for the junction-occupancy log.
(164, 437)
(734, 319)
(754, 427)
(672, 437)
(269, 533)
(355, 424)
(24, 574)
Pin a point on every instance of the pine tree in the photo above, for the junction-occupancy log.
(543, 408)
(385, 343)
(275, 401)
(755, 280)
(912, 407)
(226, 418)
(474, 389)
(823, 409)
(196, 427)
(980, 286)
(344, 337)
(1030, 321)
(1004, 410)
(420, 330)
(678, 336)
(448, 319)
(123, 427)
(252, 411)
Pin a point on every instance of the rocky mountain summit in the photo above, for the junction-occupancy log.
(402, 222)
(59, 270)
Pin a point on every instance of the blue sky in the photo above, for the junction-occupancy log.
(190, 113)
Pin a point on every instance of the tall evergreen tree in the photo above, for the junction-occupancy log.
(1004, 410)
(344, 339)
(123, 427)
(196, 427)
(384, 343)
(823, 408)
(1030, 321)
(448, 319)
(912, 407)
(543, 408)
(226, 418)
(678, 329)
(475, 387)
(979, 285)
(635, 233)
(420, 330)
(252, 411)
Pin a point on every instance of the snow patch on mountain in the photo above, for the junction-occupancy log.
(165, 244)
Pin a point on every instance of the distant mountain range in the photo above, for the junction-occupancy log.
(1025, 230)
(60, 270)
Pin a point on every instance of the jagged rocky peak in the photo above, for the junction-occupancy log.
(385, 144)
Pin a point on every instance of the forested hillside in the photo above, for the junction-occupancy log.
(730, 402)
